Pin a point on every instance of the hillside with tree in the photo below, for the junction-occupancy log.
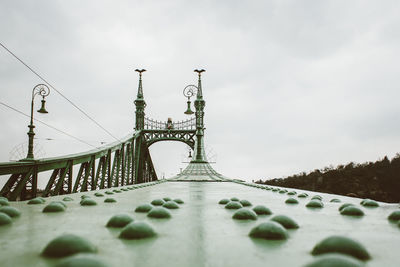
(378, 180)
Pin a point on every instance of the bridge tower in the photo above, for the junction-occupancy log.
(149, 131)
(140, 103)
(199, 104)
(124, 162)
(144, 168)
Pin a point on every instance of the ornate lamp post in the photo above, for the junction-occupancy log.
(188, 92)
(199, 104)
(42, 90)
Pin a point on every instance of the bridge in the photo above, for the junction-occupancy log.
(115, 211)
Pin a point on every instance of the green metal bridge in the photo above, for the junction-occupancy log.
(116, 212)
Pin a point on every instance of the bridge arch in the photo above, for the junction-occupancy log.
(159, 135)
(187, 142)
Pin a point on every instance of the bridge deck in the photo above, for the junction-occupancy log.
(200, 233)
(199, 172)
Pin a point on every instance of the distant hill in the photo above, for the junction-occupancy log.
(378, 180)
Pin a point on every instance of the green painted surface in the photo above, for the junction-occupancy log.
(201, 232)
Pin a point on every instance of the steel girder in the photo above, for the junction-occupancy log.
(60, 181)
(114, 165)
(144, 168)
(22, 185)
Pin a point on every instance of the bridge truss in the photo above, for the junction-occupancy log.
(121, 163)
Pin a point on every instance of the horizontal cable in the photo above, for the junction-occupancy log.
(48, 125)
(49, 84)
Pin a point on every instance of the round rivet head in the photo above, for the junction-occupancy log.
(343, 245)
(117, 191)
(345, 205)
(5, 219)
(98, 194)
(224, 201)
(88, 202)
(159, 212)
(233, 205)
(335, 200)
(302, 195)
(179, 201)
(369, 203)
(110, 200)
(262, 210)
(68, 199)
(315, 204)
(157, 202)
(80, 261)
(137, 230)
(269, 230)
(244, 214)
(352, 211)
(234, 199)
(167, 199)
(4, 199)
(35, 201)
(170, 205)
(60, 202)
(85, 196)
(109, 193)
(245, 203)
(334, 259)
(119, 220)
(10, 211)
(317, 197)
(143, 208)
(54, 207)
(285, 221)
(291, 200)
(291, 193)
(394, 216)
(67, 245)
(4, 202)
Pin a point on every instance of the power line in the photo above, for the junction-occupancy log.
(49, 84)
(48, 125)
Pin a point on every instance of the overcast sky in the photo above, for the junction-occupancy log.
(290, 86)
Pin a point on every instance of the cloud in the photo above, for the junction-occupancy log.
(290, 86)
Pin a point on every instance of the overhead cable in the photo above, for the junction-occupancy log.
(48, 125)
(49, 84)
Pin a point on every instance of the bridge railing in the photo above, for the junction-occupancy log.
(109, 166)
(150, 124)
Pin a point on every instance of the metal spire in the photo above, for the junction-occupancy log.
(140, 103)
(140, 89)
(199, 90)
(199, 103)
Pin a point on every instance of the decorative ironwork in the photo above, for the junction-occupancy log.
(121, 163)
(150, 124)
(98, 169)
(189, 91)
(185, 136)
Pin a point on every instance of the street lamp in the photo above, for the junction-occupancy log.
(192, 90)
(188, 92)
(43, 90)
